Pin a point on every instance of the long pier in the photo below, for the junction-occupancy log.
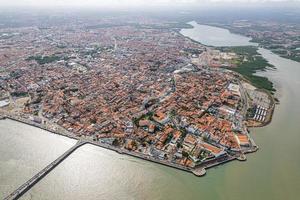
(198, 171)
(41, 174)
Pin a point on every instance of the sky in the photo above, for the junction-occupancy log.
(128, 3)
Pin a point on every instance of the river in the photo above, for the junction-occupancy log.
(214, 36)
(93, 173)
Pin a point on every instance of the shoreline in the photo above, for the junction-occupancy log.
(199, 170)
(241, 76)
(231, 48)
(271, 97)
(105, 146)
(229, 28)
(272, 110)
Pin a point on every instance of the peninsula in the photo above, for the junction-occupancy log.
(137, 88)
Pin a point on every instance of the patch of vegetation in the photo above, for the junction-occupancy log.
(19, 94)
(15, 74)
(292, 57)
(148, 116)
(44, 59)
(185, 154)
(249, 63)
(193, 51)
(243, 50)
(169, 138)
(251, 112)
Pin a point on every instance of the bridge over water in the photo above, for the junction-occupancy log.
(36, 178)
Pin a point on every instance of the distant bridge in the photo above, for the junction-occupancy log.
(36, 178)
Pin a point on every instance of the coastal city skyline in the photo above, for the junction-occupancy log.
(178, 102)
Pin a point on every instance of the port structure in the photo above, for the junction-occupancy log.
(41, 174)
